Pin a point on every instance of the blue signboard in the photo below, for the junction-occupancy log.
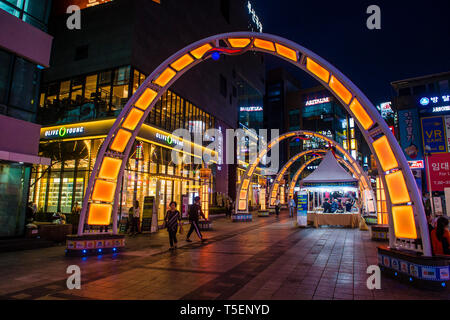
(408, 121)
(433, 134)
(302, 208)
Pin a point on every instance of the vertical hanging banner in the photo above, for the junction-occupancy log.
(409, 131)
(439, 165)
(302, 208)
(433, 134)
(447, 131)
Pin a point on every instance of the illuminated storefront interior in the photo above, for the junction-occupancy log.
(150, 170)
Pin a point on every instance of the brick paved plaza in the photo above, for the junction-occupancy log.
(264, 259)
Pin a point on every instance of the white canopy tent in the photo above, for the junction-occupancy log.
(329, 176)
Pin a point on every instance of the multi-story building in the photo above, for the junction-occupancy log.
(315, 109)
(96, 69)
(24, 52)
(423, 107)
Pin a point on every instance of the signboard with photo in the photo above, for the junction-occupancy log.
(409, 134)
(439, 167)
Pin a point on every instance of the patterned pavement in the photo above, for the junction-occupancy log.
(268, 258)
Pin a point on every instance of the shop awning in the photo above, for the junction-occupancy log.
(329, 173)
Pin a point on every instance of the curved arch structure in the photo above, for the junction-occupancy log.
(356, 168)
(407, 214)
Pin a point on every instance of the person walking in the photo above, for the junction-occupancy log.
(291, 207)
(135, 219)
(172, 218)
(194, 212)
(277, 207)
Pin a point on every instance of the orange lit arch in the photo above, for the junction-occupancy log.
(407, 212)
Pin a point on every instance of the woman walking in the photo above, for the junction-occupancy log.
(172, 218)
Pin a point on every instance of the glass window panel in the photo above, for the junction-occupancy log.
(135, 80)
(5, 63)
(119, 97)
(36, 8)
(24, 86)
(122, 76)
(91, 87)
(9, 9)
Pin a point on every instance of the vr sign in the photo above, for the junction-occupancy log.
(434, 140)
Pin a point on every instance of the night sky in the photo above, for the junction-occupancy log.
(414, 39)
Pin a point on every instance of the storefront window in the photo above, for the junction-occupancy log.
(13, 188)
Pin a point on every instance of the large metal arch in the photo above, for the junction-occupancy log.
(100, 199)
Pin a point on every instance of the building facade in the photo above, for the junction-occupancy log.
(24, 52)
(423, 107)
(96, 69)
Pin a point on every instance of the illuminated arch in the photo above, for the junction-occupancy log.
(356, 168)
(100, 200)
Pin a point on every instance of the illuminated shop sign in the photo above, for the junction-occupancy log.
(416, 164)
(168, 139)
(255, 18)
(317, 101)
(251, 109)
(441, 109)
(425, 101)
(63, 132)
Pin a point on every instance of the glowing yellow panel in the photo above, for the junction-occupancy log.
(242, 204)
(317, 70)
(103, 191)
(404, 224)
(361, 114)
(99, 214)
(182, 63)
(110, 168)
(245, 184)
(263, 44)
(120, 141)
(340, 90)
(286, 52)
(165, 77)
(239, 42)
(200, 51)
(385, 154)
(252, 168)
(243, 194)
(396, 185)
(146, 99)
(132, 119)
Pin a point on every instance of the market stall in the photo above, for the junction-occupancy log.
(332, 194)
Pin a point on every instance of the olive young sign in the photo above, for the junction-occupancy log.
(169, 139)
(63, 132)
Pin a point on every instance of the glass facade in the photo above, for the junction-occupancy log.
(104, 94)
(149, 172)
(19, 87)
(14, 179)
(34, 12)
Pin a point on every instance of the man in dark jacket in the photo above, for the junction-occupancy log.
(326, 206)
(194, 214)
